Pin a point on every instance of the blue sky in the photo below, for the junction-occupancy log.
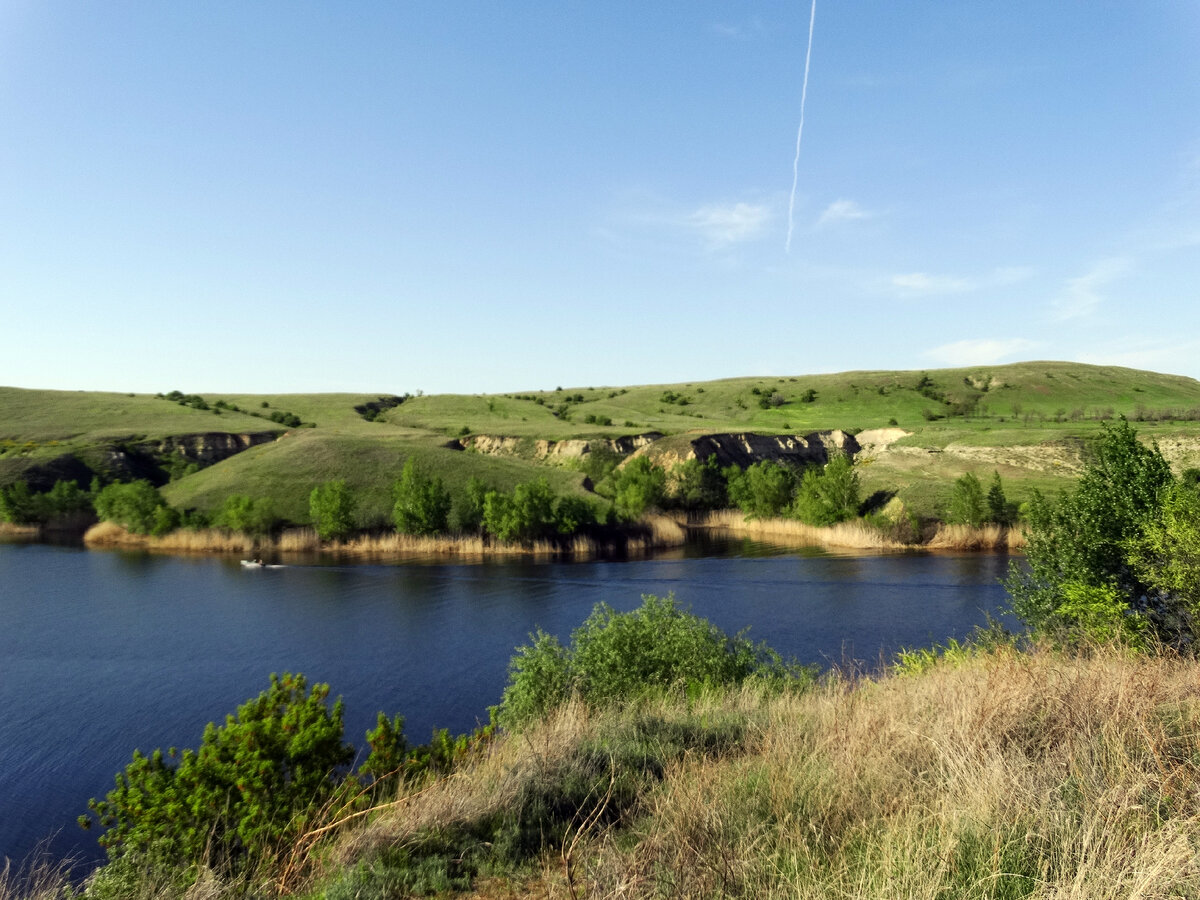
(484, 197)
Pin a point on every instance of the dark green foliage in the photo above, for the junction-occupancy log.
(136, 506)
(533, 512)
(696, 485)
(17, 504)
(1078, 549)
(1000, 509)
(762, 490)
(422, 502)
(809, 396)
(467, 509)
(251, 788)
(967, 502)
(619, 656)
(249, 515)
(639, 486)
(599, 462)
(372, 409)
(829, 494)
(331, 506)
(291, 420)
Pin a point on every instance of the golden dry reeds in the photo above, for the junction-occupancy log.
(854, 535)
(9, 530)
(656, 532)
(988, 537)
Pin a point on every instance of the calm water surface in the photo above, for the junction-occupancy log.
(102, 652)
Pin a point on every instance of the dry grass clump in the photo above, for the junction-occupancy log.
(9, 530)
(187, 540)
(999, 775)
(988, 537)
(790, 532)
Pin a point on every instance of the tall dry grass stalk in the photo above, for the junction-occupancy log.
(1004, 775)
(39, 879)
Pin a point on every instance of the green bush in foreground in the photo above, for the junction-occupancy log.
(621, 656)
(253, 786)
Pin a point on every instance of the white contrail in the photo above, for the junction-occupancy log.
(812, 18)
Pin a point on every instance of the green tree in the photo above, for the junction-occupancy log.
(136, 506)
(763, 489)
(248, 515)
(1085, 539)
(331, 507)
(525, 515)
(1000, 510)
(696, 485)
(828, 494)
(422, 502)
(17, 504)
(1166, 557)
(640, 485)
(251, 788)
(967, 501)
(467, 511)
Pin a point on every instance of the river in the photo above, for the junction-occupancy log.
(105, 651)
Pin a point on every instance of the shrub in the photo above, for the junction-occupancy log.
(245, 795)
(620, 656)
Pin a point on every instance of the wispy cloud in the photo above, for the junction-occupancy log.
(912, 284)
(980, 352)
(739, 31)
(843, 211)
(924, 283)
(1081, 295)
(723, 224)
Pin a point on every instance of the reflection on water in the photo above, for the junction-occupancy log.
(103, 652)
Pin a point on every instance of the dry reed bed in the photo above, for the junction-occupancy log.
(655, 533)
(858, 535)
(1009, 775)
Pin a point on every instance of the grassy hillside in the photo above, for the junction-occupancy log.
(1026, 421)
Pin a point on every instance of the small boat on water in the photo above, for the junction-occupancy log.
(258, 564)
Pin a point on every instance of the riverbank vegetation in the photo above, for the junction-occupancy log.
(921, 432)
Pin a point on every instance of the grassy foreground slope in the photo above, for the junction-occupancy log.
(1025, 420)
(1004, 775)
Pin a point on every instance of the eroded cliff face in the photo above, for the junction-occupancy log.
(744, 449)
(550, 451)
(207, 447)
(739, 449)
(157, 460)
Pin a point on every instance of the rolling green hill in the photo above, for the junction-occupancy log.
(1027, 420)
